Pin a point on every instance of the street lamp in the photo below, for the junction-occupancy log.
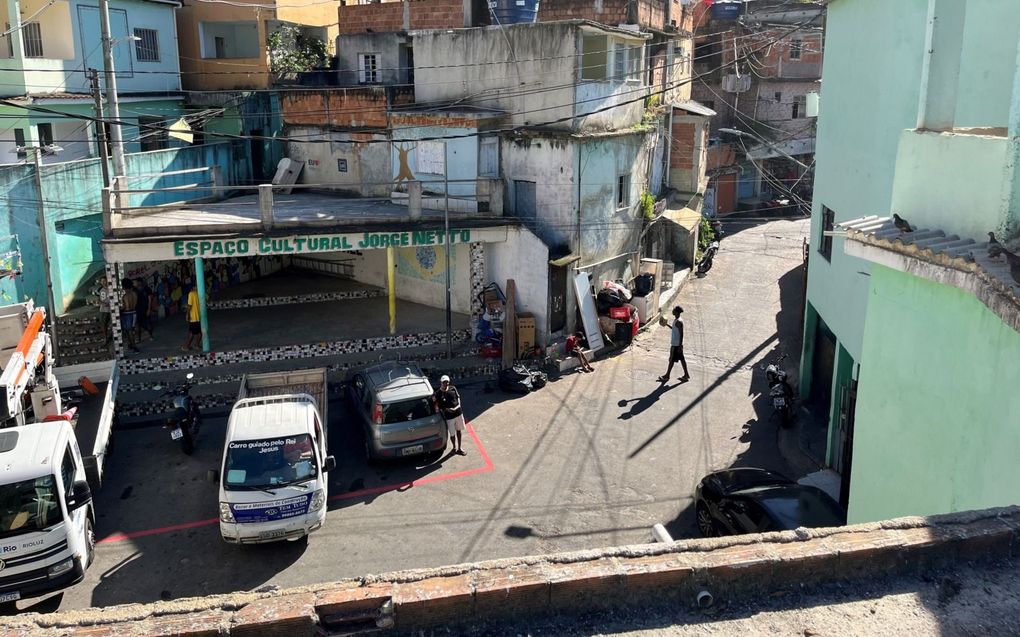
(740, 133)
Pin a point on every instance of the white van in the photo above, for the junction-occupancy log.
(273, 478)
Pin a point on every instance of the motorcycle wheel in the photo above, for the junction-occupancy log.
(705, 266)
(786, 416)
(187, 444)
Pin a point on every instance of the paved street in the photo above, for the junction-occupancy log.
(590, 460)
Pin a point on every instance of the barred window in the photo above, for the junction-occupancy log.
(31, 35)
(147, 45)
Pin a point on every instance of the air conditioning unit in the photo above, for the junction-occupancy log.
(736, 83)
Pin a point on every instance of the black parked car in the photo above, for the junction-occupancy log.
(756, 501)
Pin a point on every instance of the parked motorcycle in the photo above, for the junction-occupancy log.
(780, 392)
(706, 259)
(186, 418)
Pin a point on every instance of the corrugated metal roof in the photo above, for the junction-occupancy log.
(694, 107)
(935, 246)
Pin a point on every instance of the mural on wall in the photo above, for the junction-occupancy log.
(405, 167)
(166, 279)
(426, 263)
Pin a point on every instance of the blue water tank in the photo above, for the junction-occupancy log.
(513, 11)
(726, 10)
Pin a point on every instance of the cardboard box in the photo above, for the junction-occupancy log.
(525, 333)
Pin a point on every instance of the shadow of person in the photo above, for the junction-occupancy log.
(644, 402)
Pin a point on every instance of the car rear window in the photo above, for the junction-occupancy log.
(408, 410)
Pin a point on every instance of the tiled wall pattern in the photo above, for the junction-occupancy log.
(113, 275)
(286, 352)
(266, 301)
(477, 276)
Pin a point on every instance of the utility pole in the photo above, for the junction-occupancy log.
(446, 223)
(116, 139)
(100, 126)
(37, 152)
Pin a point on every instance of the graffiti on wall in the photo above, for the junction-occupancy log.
(425, 263)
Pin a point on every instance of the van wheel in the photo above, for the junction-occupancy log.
(90, 542)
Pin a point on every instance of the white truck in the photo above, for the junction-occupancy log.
(48, 457)
(272, 483)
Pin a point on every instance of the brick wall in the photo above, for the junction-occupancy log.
(650, 13)
(389, 16)
(752, 567)
(366, 107)
(681, 154)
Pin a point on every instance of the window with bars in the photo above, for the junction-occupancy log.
(620, 62)
(368, 68)
(10, 40)
(147, 45)
(31, 35)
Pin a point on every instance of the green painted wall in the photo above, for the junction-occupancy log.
(871, 75)
(938, 403)
(955, 183)
(987, 62)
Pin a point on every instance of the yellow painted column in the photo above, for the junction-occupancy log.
(391, 286)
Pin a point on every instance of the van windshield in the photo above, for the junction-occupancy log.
(29, 505)
(267, 463)
(408, 410)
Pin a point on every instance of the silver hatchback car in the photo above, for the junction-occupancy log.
(396, 406)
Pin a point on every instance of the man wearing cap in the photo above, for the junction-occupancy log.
(449, 404)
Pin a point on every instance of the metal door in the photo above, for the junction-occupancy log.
(845, 452)
(557, 298)
(525, 203)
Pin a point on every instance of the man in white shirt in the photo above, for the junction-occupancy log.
(676, 350)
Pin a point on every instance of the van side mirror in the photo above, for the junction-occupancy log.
(80, 495)
(212, 475)
(329, 464)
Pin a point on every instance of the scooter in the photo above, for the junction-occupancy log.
(706, 259)
(186, 418)
(780, 392)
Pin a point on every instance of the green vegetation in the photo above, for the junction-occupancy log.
(292, 51)
(648, 205)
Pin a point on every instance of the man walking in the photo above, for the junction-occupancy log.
(194, 319)
(449, 404)
(129, 313)
(676, 350)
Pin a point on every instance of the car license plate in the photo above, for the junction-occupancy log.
(10, 597)
(778, 402)
(269, 535)
(177, 434)
(408, 451)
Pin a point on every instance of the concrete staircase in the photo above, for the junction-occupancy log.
(81, 337)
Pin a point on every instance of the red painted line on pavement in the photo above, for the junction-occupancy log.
(487, 467)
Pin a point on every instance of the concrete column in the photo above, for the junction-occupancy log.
(414, 199)
(113, 276)
(1009, 217)
(477, 260)
(940, 69)
(391, 286)
(266, 205)
(203, 315)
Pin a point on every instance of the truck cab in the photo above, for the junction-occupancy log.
(273, 482)
(47, 536)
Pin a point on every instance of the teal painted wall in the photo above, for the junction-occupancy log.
(938, 403)
(72, 197)
(871, 76)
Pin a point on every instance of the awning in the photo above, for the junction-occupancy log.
(564, 261)
(695, 108)
(686, 218)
